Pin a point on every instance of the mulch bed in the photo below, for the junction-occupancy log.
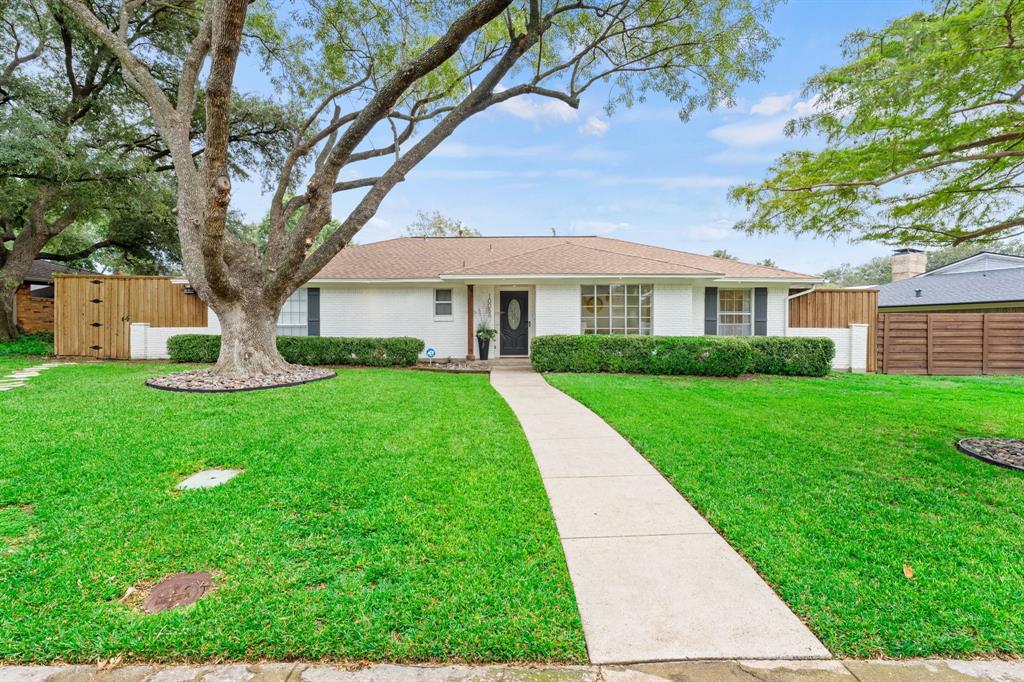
(205, 381)
(1004, 452)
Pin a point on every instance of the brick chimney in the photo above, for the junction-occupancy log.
(907, 263)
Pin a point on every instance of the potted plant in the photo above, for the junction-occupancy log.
(484, 334)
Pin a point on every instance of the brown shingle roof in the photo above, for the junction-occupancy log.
(433, 257)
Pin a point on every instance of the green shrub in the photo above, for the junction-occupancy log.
(401, 351)
(792, 355)
(695, 355)
(194, 347)
(39, 343)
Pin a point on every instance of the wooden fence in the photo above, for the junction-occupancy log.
(950, 343)
(837, 308)
(93, 314)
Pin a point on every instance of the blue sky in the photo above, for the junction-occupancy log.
(641, 174)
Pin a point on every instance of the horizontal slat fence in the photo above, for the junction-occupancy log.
(838, 309)
(93, 313)
(950, 343)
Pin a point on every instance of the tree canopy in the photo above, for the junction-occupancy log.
(376, 87)
(438, 225)
(924, 135)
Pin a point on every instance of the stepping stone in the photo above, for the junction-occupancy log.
(209, 478)
(10, 386)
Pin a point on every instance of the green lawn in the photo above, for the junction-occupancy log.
(831, 486)
(383, 514)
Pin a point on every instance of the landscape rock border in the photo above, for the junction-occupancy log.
(204, 381)
(1003, 452)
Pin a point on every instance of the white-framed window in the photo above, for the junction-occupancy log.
(294, 317)
(616, 308)
(735, 312)
(443, 303)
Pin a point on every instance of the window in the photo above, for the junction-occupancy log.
(735, 315)
(293, 320)
(442, 302)
(616, 308)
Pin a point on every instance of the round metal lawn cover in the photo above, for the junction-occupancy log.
(179, 589)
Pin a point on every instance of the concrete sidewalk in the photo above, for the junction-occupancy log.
(684, 671)
(653, 580)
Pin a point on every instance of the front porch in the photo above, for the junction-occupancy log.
(508, 309)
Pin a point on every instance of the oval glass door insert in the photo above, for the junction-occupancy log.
(514, 314)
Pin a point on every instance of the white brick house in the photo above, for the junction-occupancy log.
(439, 289)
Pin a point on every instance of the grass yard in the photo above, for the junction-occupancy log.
(831, 487)
(382, 515)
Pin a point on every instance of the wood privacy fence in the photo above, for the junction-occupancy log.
(837, 308)
(951, 343)
(93, 314)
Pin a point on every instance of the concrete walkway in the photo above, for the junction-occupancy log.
(653, 580)
(681, 671)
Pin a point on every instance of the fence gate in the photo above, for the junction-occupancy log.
(837, 308)
(950, 343)
(93, 313)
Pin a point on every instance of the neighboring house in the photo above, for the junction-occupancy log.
(985, 282)
(33, 301)
(440, 288)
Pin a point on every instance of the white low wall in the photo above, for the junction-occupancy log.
(150, 343)
(851, 344)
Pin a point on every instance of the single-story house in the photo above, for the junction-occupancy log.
(986, 282)
(439, 289)
(33, 301)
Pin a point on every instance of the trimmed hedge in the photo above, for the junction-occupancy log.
(697, 355)
(401, 351)
(720, 356)
(791, 355)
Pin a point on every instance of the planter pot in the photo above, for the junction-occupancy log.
(484, 345)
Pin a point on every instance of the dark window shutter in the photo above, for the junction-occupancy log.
(711, 311)
(760, 311)
(313, 311)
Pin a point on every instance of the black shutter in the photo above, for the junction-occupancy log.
(313, 311)
(711, 311)
(760, 311)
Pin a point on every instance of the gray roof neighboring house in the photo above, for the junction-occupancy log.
(42, 272)
(988, 286)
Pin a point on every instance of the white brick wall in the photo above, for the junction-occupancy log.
(150, 343)
(851, 344)
(347, 310)
(672, 309)
(558, 308)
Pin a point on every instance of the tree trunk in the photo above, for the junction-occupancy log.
(248, 342)
(8, 322)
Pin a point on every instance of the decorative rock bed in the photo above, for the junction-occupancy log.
(449, 365)
(1004, 452)
(205, 381)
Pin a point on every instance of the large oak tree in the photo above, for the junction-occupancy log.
(360, 69)
(924, 135)
(84, 175)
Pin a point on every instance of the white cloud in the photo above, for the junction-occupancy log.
(460, 150)
(594, 126)
(772, 104)
(808, 106)
(594, 227)
(750, 133)
(709, 233)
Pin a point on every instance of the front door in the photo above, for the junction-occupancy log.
(515, 323)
